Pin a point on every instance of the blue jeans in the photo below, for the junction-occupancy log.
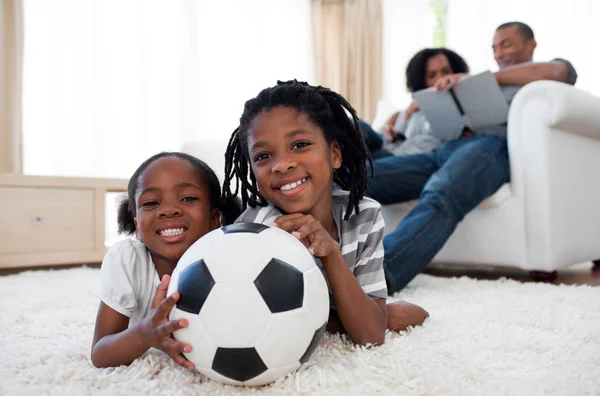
(374, 141)
(449, 181)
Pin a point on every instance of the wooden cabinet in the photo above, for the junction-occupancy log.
(53, 220)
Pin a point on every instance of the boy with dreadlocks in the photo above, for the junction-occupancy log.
(294, 141)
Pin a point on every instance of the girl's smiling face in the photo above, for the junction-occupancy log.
(172, 209)
(292, 161)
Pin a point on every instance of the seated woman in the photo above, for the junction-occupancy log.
(408, 132)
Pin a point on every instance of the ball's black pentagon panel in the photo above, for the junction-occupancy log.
(244, 227)
(240, 364)
(281, 286)
(316, 340)
(195, 283)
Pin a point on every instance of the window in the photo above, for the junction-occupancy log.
(108, 83)
(408, 27)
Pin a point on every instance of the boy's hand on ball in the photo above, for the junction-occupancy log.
(158, 329)
(309, 231)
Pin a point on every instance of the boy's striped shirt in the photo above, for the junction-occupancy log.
(361, 238)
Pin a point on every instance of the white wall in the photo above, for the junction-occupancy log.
(109, 83)
(407, 28)
(236, 55)
(562, 29)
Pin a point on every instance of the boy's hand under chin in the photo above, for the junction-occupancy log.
(309, 231)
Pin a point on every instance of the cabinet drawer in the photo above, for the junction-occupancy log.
(35, 220)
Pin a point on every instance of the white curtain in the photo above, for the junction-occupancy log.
(562, 29)
(108, 83)
(408, 27)
(240, 47)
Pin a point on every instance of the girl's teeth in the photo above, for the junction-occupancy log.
(293, 185)
(171, 232)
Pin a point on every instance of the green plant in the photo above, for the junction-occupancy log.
(439, 9)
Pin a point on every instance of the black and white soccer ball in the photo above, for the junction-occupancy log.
(256, 302)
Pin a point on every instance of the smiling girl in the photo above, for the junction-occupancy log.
(173, 199)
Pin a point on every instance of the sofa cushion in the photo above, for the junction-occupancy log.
(500, 196)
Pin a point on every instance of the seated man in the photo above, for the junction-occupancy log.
(453, 179)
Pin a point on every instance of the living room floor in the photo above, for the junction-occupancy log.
(582, 274)
(486, 335)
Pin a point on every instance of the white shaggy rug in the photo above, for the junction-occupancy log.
(483, 338)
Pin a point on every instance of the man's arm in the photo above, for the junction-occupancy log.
(525, 73)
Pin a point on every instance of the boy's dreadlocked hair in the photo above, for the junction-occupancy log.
(323, 107)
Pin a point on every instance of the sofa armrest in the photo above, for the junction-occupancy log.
(554, 148)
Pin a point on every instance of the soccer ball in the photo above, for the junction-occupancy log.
(256, 302)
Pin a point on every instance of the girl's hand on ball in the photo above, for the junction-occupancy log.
(158, 329)
(309, 231)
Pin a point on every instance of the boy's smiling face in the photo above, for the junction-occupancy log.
(292, 161)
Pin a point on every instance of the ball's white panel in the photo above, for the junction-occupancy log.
(286, 338)
(287, 248)
(237, 257)
(272, 375)
(213, 375)
(198, 249)
(316, 296)
(194, 253)
(234, 315)
(203, 350)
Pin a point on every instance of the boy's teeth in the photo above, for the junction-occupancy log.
(171, 232)
(292, 185)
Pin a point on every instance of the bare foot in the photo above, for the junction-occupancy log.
(402, 314)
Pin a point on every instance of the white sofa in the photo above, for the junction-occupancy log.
(548, 216)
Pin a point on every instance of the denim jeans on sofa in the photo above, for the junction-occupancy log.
(449, 181)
